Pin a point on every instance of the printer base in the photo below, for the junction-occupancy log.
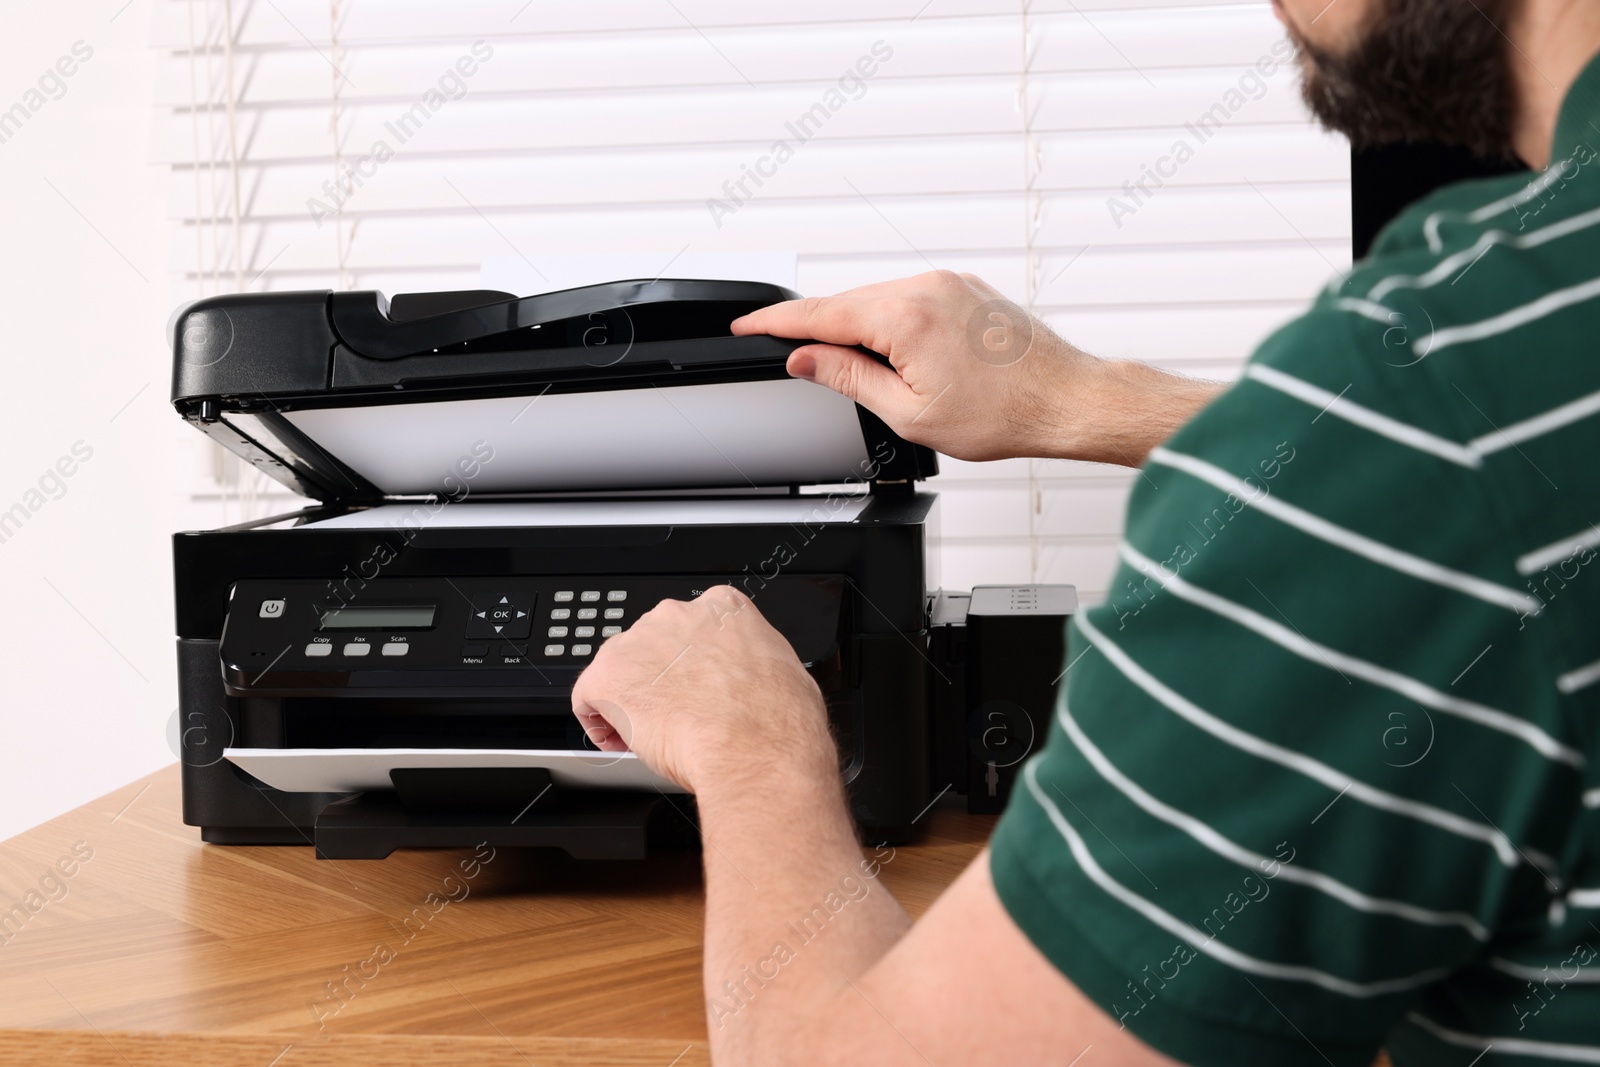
(253, 835)
(620, 826)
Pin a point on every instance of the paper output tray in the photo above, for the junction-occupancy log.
(353, 770)
(591, 805)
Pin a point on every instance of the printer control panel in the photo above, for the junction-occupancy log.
(309, 636)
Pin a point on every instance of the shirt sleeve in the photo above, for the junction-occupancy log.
(1295, 777)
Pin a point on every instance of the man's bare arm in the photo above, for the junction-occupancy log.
(809, 959)
(973, 376)
(791, 980)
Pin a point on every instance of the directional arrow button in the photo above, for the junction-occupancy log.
(501, 614)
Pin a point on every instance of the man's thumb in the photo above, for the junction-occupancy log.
(855, 374)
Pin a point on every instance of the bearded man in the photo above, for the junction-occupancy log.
(1328, 785)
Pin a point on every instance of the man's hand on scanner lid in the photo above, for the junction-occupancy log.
(974, 376)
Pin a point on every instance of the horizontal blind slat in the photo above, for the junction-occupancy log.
(288, 23)
(922, 107)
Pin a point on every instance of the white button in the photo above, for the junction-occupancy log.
(610, 631)
(617, 594)
(357, 648)
(319, 650)
(581, 650)
(590, 594)
(561, 613)
(272, 609)
(583, 631)
(613, 613)
(563, 596)
(556, 631)
(554, 650)
(587, 613)
(396, 648)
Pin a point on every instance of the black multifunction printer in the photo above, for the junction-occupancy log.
(498, 486)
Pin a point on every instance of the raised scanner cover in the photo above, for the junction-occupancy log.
(736, 434)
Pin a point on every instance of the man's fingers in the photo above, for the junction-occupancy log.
(604, 724)
(858, 376)
(837, 320)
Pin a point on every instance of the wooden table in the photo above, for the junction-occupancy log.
(158, 950)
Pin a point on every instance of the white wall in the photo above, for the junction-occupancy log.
(86, 630)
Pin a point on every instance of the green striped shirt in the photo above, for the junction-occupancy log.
(1322, 777)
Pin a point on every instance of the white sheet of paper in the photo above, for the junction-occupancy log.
(736, 434)
(680, 511)
(352, 770)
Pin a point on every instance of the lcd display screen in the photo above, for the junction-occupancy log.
(379, 617)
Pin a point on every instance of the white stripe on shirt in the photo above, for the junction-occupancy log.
(1201, 942)
(1582, 678)
(1468, 455)
(1545, 974)
(1359, 544)
(1366, 418)
(1556, 551)
(1509, 1046)
(1535, 187)
(1368, 309)
(1236, 853)
(1448, 266)
(1536, 426)
(1302, 764)
(1507, 321)
(1406, 686)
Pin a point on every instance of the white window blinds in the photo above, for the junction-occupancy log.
(398, 145)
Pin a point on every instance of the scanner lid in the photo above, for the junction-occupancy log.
(631, 385)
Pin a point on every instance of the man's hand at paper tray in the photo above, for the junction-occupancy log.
(972, 375)
(709, 695)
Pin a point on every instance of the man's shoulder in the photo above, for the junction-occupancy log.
(1472, 311)
(1378, 316)
(1461, 214)
(1449, 269)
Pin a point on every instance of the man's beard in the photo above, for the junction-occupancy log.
(1425, 70)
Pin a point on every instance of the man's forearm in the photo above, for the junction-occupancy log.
(794, 911)
(1116, 411)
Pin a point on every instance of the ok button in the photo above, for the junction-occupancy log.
(503, 614)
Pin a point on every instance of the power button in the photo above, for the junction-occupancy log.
(272, 609)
